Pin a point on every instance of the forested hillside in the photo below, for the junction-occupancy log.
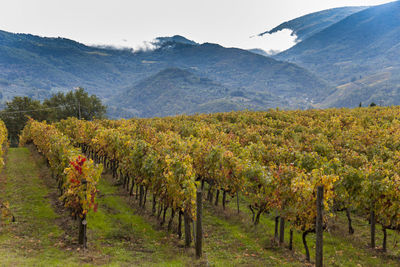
(357, 54)
(38, 67)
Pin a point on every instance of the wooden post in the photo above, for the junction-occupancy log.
(199, 226)
(216, 198)
(194, 233)
(131, 191)
(282, 231)
(237, 202)
(223, 199)
(153, 210)
(276, 235)
(384, 239)
(171, 220)
(160, 209)
(145, 198)
(351, 230)
(82, 231)
(373, 229)
(188, 234)
(319, 228)
(141, 192)
(304, 237)
(180, 225)
(83, 223)
(164, 213)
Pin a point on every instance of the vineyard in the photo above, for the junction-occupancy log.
(255, 165)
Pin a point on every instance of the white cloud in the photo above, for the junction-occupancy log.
(274, 43)
(145, 46)
(126, 45)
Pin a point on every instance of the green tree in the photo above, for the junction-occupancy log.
(16, 113)
(76, 103)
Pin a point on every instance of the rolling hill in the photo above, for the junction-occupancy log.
(358, 54)
(310, 24)
(176, 91)
(37, 67)
(344, 56)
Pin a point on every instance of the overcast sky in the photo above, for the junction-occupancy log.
(130, 22)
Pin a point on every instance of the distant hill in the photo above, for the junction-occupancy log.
(259, 51)
(359, 54)
(310, 24)
(175, 91)
(161, 41)
(240, 69)
(36, 66)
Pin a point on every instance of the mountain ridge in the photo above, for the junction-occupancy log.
(309, 24)
(176, 91)
(37, 67)
(358, 55)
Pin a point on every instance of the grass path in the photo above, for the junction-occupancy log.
(31, 239)
(118, 234)
(225, 244)
(340, 248)
(121, 234)
(43, 234)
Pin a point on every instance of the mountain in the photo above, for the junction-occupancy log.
(240, 69)
(259, 51)
(175, 91)
(162, 41)
(308, 25)
(358, 54)
(37, 66)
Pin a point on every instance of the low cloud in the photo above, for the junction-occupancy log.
(276, 42)
(113, 47)
(146, 46)
(142, 47)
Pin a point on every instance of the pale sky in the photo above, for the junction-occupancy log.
(130, 22)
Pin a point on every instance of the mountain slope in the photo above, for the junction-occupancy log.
(359, 54)
(37, 66)
(236, 68)
(161, 41)
(175, 91)
(306, 26)
(31, 65)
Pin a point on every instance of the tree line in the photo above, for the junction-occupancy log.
(75, 103)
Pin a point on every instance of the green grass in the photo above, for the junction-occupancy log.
(121, 234)
(125, 236)
(235, 241)
(118, 225)
(340, 248)
(30, 240)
